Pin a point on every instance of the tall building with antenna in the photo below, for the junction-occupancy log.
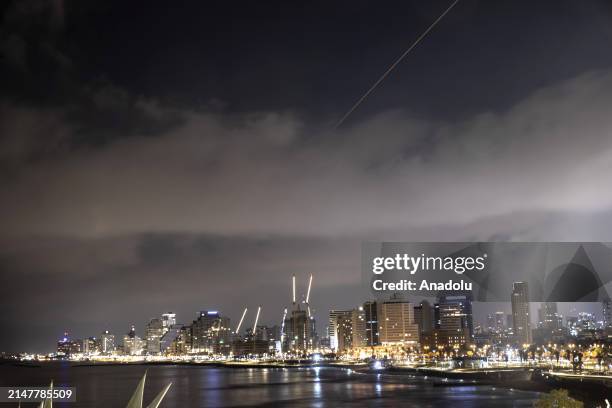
(299, 327)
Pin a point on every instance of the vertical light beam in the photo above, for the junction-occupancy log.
(283, 326)
(241, 319)
(256, 319)
(308, 292)
(293, 284)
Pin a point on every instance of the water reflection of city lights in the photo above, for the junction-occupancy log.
(317, 370)
(317, 389)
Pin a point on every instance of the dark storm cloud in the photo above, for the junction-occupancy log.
(269, 173)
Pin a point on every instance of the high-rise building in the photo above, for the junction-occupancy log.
(424, 318)
(334, 315)
(211, 333)
(107, 342)
(177, 340)
(153, 334)
(91, 345)
(67, 347)
(344, 332)
(520, 313)
(499, 321)
(267, 333)
(586, 321)
(548, 317)
(462, 300)
(132, 344)
(370, 310)
(452, 328)
(496, 329)
(396, 323)
(607, 313)
(168, 319)
(165, 343)
(360, 338)
(453, 319)
(300, 331)
(491, 327)
(549, 326)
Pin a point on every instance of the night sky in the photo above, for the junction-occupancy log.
(182, 156)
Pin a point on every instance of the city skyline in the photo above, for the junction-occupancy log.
(449, 322)
(476, 318)
(481, 313)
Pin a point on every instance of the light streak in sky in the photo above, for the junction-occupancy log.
(392, 67)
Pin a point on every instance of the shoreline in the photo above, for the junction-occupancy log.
(590, 392)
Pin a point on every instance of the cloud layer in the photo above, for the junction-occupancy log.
(272, 173)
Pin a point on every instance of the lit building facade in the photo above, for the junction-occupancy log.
(607, 314)
(153, 334)
(300, 334)
(132, 344)
(452, 328)
(211, 333)
(370, 310)
(107, 342)
(168, 320)
(360, 338)
(396, 323)
(344, 331)
(521, 318)
(334, 316)
(68, 347)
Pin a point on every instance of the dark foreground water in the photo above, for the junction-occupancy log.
(192, 386)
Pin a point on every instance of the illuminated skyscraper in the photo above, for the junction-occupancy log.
(452, 325)
(334, 315)
(360, 338)
(607, 314)
(300, 334)
(462, 301)
(520, 313)
(211, 333)
(548, 317)
(396, 323)
(168, 320)
(371, 323)
(153, 334)
(107, 342)
(132, 344)
(499, 321)
(344, 331)
(299, 331)
(67, 347)
(91, 345)
(586, 321)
